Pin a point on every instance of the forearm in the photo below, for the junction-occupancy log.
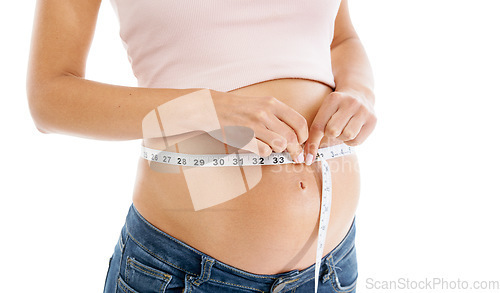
(75, 106)
(351, 68)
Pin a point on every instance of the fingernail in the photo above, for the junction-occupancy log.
(309, 159)
(300, 158)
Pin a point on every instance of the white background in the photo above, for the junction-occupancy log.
(430, 192)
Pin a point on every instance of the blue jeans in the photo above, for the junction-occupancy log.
(147, 260)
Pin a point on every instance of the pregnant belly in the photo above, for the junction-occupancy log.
(270, 228)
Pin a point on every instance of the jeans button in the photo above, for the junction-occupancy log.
(279, 288)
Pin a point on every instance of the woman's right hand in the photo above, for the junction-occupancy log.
(276, 126)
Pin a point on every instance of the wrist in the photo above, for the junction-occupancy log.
(360, 91)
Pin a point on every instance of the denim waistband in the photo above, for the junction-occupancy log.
(171, 250)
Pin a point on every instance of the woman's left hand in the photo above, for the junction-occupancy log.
(348, 116)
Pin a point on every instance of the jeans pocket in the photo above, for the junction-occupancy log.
(345, 272)
(122, 287)
(139, 277)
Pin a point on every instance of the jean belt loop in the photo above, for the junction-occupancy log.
(329, 264)
(206, 267)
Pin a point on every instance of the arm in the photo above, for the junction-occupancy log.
(347, 114)
(61, 100)
(350, 65)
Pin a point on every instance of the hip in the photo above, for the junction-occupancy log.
(270, 228)
(149, 260)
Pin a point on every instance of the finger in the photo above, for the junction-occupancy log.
(318, 130)
(338, 122)
(293, 119)
(293, 146)
(329, 141)
(264, 149)
(274, 140)
(352, 128)
(362, 135)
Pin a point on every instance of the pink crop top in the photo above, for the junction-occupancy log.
(226, 44)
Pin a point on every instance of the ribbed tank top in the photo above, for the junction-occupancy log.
(226, 44)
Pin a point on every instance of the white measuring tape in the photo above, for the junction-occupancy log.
(251, 159)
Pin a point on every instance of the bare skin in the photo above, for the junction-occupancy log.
(271, 228)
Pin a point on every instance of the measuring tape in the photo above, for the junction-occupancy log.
(251, 159)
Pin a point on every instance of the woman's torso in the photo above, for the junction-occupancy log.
(271, 228)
